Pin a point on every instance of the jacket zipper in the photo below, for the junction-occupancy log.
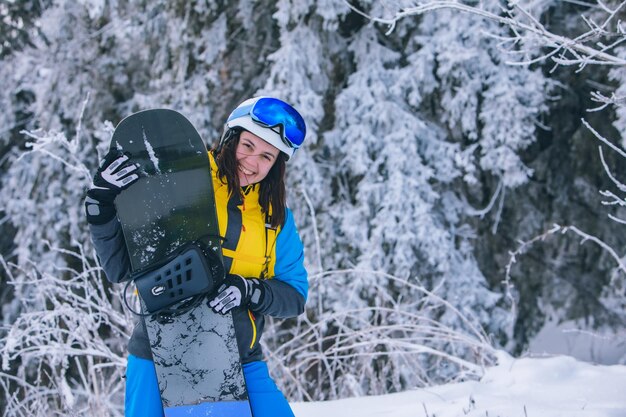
(252, 321)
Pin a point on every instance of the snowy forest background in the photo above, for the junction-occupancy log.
(451, 172)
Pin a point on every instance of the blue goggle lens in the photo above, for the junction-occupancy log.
(271, 112)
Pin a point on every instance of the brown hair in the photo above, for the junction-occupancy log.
(272, 191)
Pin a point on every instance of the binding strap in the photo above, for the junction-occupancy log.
(178, 283)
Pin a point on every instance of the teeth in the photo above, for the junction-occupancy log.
(245, 171)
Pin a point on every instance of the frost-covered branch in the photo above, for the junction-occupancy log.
(482, 212)
(582, 50)
(613, 100)
(42, 144)
(524, 246)
(604, 140)
(65, 352)
(613, 199)
(405, 337)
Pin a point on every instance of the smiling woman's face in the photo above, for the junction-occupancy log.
(255, 158)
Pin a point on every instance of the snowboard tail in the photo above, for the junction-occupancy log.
(221, 409)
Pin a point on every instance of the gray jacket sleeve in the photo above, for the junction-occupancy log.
(281, 300)
(111, 250)
(108, 241)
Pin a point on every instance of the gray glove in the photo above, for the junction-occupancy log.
(237, 291)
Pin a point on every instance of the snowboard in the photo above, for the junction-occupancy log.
(195, 353)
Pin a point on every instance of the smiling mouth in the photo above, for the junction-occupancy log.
(245, 171)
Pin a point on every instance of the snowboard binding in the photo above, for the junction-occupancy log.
(178, 283)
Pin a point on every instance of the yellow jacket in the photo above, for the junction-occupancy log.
(253, 249)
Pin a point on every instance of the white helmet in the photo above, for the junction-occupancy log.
(271, 119)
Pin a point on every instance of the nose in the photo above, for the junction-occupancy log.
(251, 160)
(255, 159)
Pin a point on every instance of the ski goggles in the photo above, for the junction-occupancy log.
(271, 113)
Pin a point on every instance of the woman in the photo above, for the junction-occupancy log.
(262, 250)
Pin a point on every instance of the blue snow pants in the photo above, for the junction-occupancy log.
(143, 398)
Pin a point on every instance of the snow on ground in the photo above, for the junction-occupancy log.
(557, 386)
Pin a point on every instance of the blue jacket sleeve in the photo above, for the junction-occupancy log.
(286, 294)
(289, 266)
